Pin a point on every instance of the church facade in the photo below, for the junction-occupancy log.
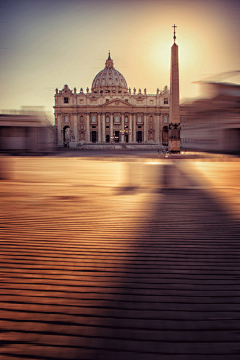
(111, 113)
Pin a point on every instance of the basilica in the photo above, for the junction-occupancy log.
(111, 114)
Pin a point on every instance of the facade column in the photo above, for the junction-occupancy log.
(111, 127)
(157, 117)
(123, 134)
(75, 132)
(99, 127)
(134, 128)
(103, 128)
(59, 130)
(130, 128)
(160, 128)
(145, 127)
(88, 128)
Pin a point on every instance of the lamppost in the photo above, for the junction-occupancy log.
(114, 138)
(125, 132)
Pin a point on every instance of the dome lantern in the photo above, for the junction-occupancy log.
(109, 62)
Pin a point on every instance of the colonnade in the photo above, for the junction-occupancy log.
(105, 120)
(102, 123)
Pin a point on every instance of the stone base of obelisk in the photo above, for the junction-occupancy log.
(174, 146)
(174, 140)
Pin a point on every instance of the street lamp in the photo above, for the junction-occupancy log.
(125, 132)
(114, 138)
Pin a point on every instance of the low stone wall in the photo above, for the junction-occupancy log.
(121, 146)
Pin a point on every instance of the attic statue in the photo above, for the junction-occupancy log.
(174, 126)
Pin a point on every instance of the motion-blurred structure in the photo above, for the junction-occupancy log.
(212, 123)
(26, 130)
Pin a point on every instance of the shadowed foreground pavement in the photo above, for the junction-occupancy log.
(95, 270)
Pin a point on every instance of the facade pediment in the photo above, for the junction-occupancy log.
(117, 102)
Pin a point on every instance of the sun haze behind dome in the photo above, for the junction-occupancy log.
(109, 77)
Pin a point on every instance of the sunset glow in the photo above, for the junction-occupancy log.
(46, 44)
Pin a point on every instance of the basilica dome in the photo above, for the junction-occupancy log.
(109, 77)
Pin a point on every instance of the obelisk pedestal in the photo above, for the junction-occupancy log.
(174, 123)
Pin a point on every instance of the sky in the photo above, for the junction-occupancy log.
(45, 44)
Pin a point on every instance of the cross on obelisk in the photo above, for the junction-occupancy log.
(174, 33)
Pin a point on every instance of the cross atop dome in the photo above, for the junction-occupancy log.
(109, 62)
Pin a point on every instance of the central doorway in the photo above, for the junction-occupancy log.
(139, 136)
(116, 136)
(93, 136)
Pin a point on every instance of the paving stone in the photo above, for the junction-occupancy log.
(106, 276)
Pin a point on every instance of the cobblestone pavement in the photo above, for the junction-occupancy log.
(110, 260)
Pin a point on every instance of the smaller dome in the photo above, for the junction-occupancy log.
(109, 77)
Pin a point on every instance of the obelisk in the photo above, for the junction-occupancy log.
(174, 122)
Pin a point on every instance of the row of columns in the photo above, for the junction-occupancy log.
(132, 126)
(102, 129)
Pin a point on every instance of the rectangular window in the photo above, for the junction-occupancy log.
(93, 118)
(139, 119)
(66, 100)
(66, 119)
(151, 102)
(117, 119)
(165, 119)
(165, 101)
(107, 119)
(126, 119)
(139, 101)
